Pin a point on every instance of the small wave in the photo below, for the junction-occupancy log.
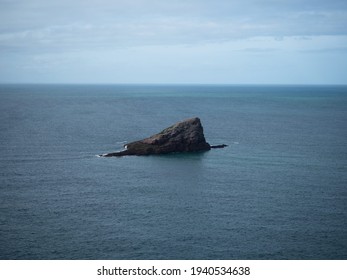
(102, 155)
(236, 143)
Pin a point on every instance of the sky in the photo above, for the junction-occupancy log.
(166, 41)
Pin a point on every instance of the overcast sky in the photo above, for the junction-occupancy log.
(174, 41)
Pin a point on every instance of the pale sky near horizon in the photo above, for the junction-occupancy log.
(165, 41)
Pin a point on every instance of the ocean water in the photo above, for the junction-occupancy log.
(278, 191)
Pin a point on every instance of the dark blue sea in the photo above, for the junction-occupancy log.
(278, 191)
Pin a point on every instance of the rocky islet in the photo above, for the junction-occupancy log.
(184, 136)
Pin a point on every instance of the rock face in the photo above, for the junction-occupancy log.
(185, 136)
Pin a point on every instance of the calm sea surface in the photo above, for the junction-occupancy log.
(279, 191)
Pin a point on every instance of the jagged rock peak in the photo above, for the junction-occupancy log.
(184, 136)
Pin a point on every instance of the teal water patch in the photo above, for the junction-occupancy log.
(276, 192)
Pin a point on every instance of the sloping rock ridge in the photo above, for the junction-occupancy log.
(184, 136)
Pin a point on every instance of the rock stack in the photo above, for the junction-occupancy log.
(184, 136)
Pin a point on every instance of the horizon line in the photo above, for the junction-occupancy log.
(172, 84)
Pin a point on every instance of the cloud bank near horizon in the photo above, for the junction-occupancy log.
(237, 41)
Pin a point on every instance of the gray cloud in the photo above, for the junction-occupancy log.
(65, 24)
(173, 41)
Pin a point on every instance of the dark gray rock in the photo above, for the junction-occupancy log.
(219, 146)
(184, 136)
